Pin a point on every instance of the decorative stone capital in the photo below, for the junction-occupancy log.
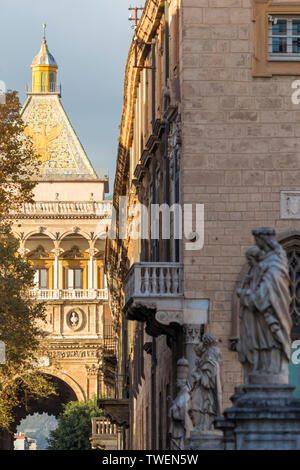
(92, 370)
(192, 334)
(57, 251)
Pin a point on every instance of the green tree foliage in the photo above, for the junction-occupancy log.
(21, 318)
(74, 426)
(19, 162)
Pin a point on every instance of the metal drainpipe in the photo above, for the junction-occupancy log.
(167, 130)
(167, 49)
(153, 47)
(167, 185)
(153, 395)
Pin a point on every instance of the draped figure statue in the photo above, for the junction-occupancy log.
(247, 346)
(180, 424)
(206, 393)
(264, 346)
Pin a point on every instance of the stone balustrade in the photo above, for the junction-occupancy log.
(69, 294)
(104, 434)
(65, 209)
(102, 425)
(154, 280)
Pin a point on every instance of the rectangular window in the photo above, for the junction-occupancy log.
(276, 38)
(74, 279)
(284, 38)
(41, 278)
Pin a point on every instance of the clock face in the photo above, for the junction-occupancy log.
(59, 149)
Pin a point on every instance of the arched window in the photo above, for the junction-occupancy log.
(44, 81)
(52, 82)
(292, 248)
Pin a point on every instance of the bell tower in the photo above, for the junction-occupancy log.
(61, 234)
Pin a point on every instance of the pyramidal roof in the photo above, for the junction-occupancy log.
(58, 146)
(44, 57)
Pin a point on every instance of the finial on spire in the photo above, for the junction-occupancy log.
(44, 27)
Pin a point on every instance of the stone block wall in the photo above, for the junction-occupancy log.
(240, 149)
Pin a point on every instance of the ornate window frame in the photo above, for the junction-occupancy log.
(261, 65)
(291, 243)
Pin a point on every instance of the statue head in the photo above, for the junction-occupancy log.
(253, 255)
(207, 341)
(264, 238)
(182, 372)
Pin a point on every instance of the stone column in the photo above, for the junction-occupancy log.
(91, 270)
(192, 335)
(92, 372)
(56, 270)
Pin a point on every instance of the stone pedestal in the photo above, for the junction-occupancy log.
(205, 441)
(263, 417)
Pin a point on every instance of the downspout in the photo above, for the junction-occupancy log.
(153, 83)
(167, 128)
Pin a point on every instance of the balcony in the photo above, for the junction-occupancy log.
(116, 410)
(53, 88)
(154, 280)
(104, 434)
(64, 210)
(154, 294)
(69, 294)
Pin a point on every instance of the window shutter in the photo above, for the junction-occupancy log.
(36, 278)
(70, 279)
(44, 278)
(78, 278)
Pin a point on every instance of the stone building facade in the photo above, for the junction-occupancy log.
(208, 119)
(63, 234)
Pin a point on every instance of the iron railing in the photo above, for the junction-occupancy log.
(51, 88)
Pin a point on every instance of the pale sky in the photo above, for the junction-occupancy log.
(89, 40)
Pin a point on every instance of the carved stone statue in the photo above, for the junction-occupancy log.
(264, 347)
(180, 424)
(206, 393)
(74, 319)
(247, 346)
